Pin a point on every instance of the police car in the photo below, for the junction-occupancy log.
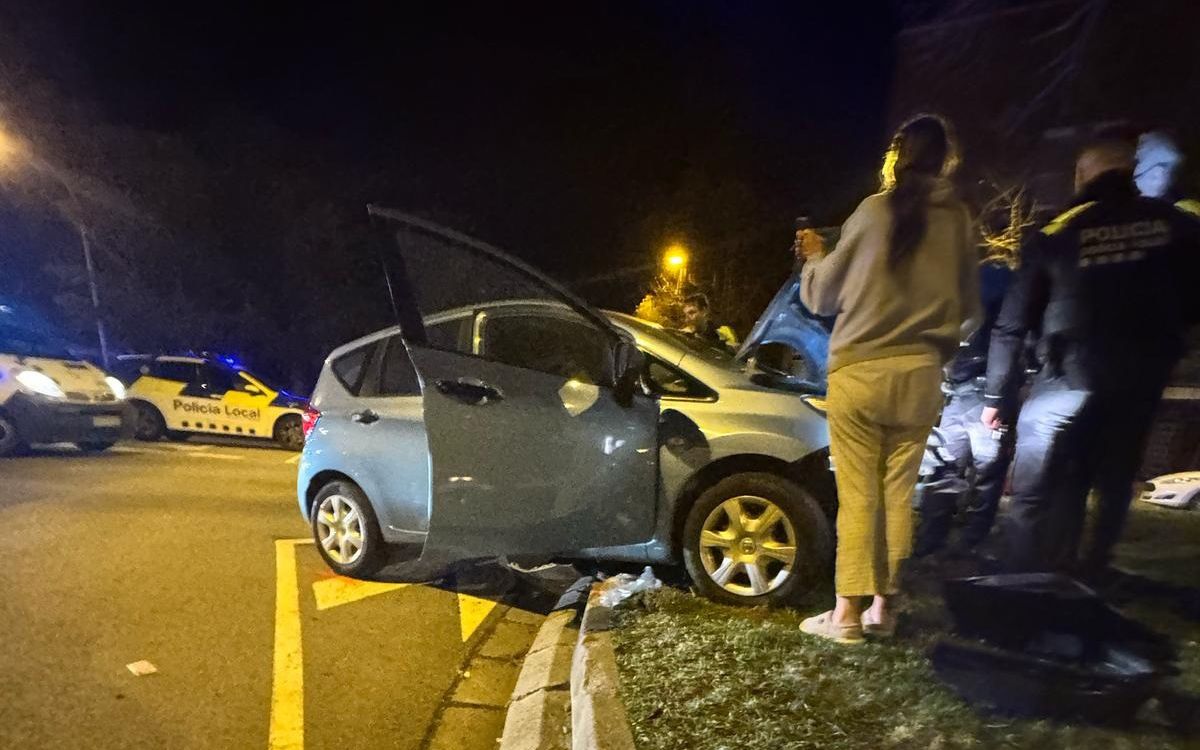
(178, 396)
(49, 395)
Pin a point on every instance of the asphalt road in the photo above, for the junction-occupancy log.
(171, 554)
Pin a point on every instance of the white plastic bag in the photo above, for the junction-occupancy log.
(620, 587)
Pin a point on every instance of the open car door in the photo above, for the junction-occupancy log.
(541, 445)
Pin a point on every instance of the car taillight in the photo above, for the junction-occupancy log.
(309, 420)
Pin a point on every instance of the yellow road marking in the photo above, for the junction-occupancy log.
(471, 613)
(338, 590)
(287, 680)
(287, 685)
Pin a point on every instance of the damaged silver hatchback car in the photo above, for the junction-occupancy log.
(504, 417)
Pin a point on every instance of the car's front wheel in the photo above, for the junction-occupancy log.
(346, 530)
(148, 422)
(756, 538)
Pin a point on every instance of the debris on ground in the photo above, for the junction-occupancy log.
(141, 668)
(622, 586)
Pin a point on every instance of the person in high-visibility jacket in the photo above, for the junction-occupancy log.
(697, 321)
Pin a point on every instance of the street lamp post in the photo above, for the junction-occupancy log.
(94, 288)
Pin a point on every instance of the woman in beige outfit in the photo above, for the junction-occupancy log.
(903, 282)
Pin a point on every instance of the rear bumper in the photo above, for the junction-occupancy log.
(39, 420)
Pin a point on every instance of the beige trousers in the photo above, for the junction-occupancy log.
(880, 414)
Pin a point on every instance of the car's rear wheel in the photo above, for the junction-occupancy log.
(346, 530)
(148, 422)
(10, 440)
(756, 538)
(95, 446)
(289, 432)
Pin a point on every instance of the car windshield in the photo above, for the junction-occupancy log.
(25, 342)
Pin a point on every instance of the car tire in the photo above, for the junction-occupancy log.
(742, 574)
(95, 446)
(330, 517)
(289, 432)
(11, 443)
(148, 423)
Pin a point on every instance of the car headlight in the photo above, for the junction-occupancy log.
(40, 383)
(116, 386)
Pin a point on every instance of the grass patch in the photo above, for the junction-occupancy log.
(702, 676)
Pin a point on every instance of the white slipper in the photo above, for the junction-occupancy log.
(886, 628)
(822, 625)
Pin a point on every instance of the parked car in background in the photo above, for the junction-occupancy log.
(504, 417)
(178, 396)
(48, 395)
(1180, 490)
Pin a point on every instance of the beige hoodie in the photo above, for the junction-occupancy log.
(927, 305)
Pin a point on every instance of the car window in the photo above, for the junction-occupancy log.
(218, 379)
(350, 368)
(547, 343)
(182, 372)
(671, 382)
(443, 274)
(398, 376)
(451, 335)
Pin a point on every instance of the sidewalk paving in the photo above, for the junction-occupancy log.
(698, 675)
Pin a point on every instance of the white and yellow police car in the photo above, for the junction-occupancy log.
(50, 395)
(178, 396)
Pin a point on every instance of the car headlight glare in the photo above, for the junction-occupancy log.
(40, 383)
(116, 386)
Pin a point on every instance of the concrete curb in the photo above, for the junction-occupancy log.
(539, 711)
(598, 718)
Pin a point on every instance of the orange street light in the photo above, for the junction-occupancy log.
(676, 259)
(9, 149)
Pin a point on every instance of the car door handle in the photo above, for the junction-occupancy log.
(469, 390)
(366, 416)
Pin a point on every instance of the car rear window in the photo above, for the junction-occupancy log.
(350, 368)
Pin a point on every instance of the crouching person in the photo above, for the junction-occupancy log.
(966, 463)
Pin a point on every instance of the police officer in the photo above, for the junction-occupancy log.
(1107, 283)
(961, 442)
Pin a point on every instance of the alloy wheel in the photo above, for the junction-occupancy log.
(748, 546)
(340, 529)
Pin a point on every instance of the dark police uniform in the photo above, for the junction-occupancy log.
(961, 443)
(1108, 283)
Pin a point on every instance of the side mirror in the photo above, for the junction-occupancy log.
(628, 362)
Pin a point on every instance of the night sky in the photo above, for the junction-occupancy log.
(561, 131)
(582, 137)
